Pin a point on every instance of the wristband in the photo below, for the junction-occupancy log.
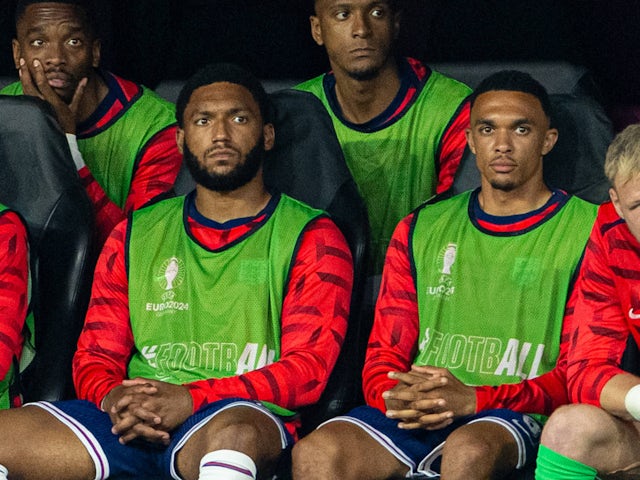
(632, 402)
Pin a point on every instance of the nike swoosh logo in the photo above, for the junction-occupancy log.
(633, 316)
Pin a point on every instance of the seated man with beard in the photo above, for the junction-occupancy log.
(213, 317)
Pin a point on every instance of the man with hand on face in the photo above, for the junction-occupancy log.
(400, 124)
(599, 435)
(213, 317)
(473, 293)
(121, 135)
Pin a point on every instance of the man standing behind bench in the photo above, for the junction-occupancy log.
(401, 125)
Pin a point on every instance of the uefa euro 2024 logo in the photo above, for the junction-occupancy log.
(170, 275)
(445, 286)
(449, 258)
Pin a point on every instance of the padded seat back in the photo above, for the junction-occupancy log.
(39, 180)
(307, 163)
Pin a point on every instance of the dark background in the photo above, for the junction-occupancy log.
(154, 40)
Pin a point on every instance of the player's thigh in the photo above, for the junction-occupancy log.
(620, 455)
(342, 449)
(37, 445)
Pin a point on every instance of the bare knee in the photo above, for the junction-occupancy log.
(241, 429)
(466, 447)
(345, 451)
(235, 436)
(479, 450)
(41, 446)
(317, 452)
(576, 429)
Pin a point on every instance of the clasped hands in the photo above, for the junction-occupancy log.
(428, 397)
(147, 409)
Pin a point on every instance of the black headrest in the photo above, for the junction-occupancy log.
(310, 164)
(27, 183)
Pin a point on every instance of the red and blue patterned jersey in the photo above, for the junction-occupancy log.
(313, 320)
(14, 280)
(607, 310)
(393, 343)
(156, 166)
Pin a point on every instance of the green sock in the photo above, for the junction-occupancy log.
(553, 466)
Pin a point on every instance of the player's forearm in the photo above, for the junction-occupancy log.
(11, 324)
(106, 341)
(374, 384)
(291, 382)
(538, 395)
(616, 399)
(93, 381)
(593, 360)
(381, 359)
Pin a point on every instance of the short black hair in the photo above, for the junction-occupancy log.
(514, 81)
(395, 5)
(87, 7)
(225, 72)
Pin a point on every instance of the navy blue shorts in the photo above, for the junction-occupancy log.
(140, 459)
(421, 450)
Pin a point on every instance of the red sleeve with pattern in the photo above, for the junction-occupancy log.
(156, 171)
(599, 336)
(542, 394)
(155, 174)
(107, 214)
(314, 322)
(14, 278)
(452, 147)
(106, 342)
(394, 337)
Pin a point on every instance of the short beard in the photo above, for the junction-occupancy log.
(364, 75)
(242, 174)
(502, 186)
